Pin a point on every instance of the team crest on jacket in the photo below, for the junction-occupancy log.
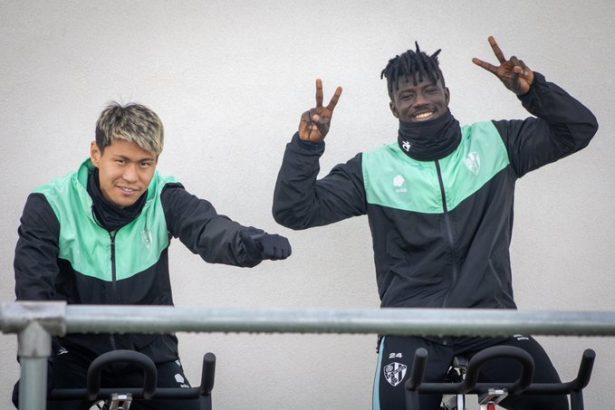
(472, 162)
(394, 373)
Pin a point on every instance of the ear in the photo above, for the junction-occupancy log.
(447, 95)
(393, 109)
(95, 154)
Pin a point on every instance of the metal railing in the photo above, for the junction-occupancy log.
(36, 322)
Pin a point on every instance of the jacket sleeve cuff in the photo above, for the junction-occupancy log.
(312, 147)
(539, 82)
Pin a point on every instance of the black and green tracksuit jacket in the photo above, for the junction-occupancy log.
(63, 253)
(441, 229)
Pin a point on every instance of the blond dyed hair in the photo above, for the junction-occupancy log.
(133, 123)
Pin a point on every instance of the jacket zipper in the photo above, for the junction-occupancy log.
(449, 229)
(113, 281)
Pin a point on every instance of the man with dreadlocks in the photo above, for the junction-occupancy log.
(440, 207)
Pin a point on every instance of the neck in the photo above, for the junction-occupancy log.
(429, 140)
(110, 216)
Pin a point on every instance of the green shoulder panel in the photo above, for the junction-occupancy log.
(87, 246)
(394, 180)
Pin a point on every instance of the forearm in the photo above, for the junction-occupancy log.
(562, 127)
(301, 201)
(571, 123)
(214, 237)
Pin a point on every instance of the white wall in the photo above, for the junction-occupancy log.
(230, 79)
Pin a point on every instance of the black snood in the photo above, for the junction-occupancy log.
(429, 140)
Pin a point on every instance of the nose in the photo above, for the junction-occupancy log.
(420, 99)
(130, 173)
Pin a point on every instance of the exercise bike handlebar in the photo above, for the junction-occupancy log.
(149, 390)
(415, 381)
(522, 385)
(418, 369)
(146, 364)
(510, 352)
(579, 383)
(208, 374)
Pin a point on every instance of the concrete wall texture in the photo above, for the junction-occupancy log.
(230, 80)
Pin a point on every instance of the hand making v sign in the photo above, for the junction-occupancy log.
(315, 123)
(515, 75)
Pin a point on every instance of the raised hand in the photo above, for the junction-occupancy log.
(314, 124)
(515, 75)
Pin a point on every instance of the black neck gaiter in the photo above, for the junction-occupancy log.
(429, 140)
(109, 216)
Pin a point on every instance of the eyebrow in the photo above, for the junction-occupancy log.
(125, 158)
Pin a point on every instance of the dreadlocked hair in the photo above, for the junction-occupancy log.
(412, 64)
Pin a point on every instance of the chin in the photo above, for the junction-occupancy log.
(124, 203)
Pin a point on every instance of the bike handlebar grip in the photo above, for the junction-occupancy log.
(122, 356)
(520, 355)
(208, 374)
(418, 369)
(585, 368)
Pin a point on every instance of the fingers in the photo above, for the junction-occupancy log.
(528, 74)
(316, 128)
(489, 67)
(334, 99)
(313, 126)
(304, 126)
(275, 247)
(308, 126)
(496, 50)
(318, 93)
(260, 245)
(519, 66)
(319, 96)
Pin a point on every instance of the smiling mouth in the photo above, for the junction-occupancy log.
(128, 191)
(422, 116)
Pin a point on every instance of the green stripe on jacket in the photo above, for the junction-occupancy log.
(87, 246)
(393, 179)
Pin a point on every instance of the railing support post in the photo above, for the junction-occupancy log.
(35, 323)
(34, 350)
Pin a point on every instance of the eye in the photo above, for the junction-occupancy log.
(145, 164)
(120, 161)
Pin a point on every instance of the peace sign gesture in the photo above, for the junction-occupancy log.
(515, 75)
(315, 123)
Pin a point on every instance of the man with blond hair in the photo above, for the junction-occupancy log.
(101, 235)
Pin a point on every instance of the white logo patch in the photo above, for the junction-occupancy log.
(179, 378)
(472, 162)
(406, 145)
(398, 183)
(394, 373)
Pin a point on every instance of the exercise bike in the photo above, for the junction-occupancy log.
(121, 398)
(463, 380)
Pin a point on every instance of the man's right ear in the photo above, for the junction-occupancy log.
(95, 153)
(394, 109)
